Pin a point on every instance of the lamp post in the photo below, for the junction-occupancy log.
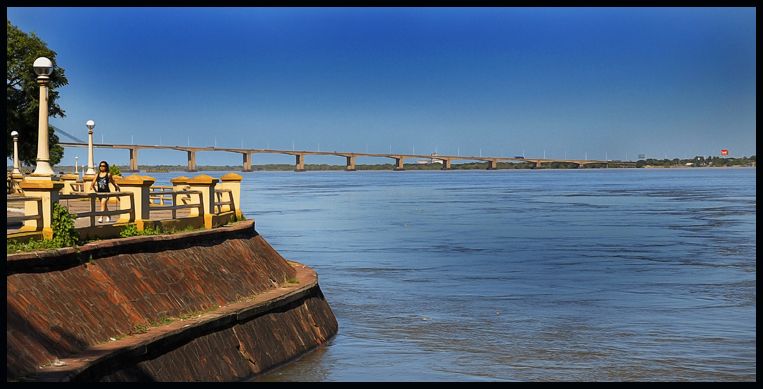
(76, 160)
(43, 67)
(16, 171)
(90, 125)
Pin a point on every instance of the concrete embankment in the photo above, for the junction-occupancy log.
(215, 305)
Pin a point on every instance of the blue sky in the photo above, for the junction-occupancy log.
(504, 81)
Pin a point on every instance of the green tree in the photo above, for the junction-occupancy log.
(24, 95)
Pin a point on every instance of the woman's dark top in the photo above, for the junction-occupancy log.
(102, 183)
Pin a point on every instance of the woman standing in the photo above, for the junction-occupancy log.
(101, 185)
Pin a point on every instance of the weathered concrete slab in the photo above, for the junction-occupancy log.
(66, 306)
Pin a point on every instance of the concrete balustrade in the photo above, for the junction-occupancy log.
(206, 185)
(87, 180)
(181, 184)
(48, 192)
(70, 183)
(232, 181)
(140, 187)
(17, 178)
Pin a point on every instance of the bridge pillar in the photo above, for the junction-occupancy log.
(492, 164)
(350, 163)
(300, 164)
(581, 165)
(537, 164)
(191, 161)
(134, 160)
(445, 164)
(399, 164)
(247, 162)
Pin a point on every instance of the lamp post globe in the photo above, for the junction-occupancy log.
(43, 67)
(90, 166)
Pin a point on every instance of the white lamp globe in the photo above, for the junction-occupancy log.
(43, 66)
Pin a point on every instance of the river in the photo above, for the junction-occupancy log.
(521, 275)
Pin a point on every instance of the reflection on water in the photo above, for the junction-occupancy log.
(601, 274)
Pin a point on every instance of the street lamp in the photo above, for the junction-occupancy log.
(90, 125)
(43, 67)
(16, 172)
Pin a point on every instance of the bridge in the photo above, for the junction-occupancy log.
(350, 157)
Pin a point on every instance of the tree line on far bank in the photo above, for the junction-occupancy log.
(698, 161)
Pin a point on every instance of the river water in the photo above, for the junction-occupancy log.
(521, 275)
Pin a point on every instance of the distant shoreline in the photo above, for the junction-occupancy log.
(341, 168)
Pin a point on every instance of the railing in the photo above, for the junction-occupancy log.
(221, 204)
(218, 203)
(78, 187)
(173, 198)
(13, 185)
(93, 210)
(20, 219)
(160, 194)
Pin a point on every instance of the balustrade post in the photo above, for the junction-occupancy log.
(48, 191)
(232, 181)
(180, 184)
(69, 181)
(140, 187)
(206, 185)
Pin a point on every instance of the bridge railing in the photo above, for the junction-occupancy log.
(93, 211)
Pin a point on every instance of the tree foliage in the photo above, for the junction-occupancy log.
(23, 95)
